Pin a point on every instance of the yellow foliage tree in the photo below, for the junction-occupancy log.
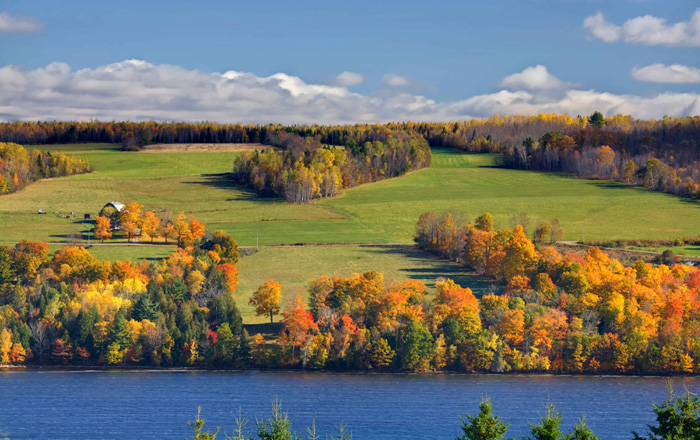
(266, 299)
(103, 228)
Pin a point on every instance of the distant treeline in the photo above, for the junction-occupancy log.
(307, 170)
(19, 167)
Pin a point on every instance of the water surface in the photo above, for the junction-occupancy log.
(51, 404)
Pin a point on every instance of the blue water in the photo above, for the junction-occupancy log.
(49, 404)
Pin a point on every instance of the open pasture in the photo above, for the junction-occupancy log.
(382, 212)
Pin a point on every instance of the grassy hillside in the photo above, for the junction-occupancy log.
(383, 212)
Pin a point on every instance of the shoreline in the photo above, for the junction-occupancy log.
(151, 369)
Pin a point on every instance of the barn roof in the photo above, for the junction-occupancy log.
(117, 205)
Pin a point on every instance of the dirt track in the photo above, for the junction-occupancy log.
(201, 148)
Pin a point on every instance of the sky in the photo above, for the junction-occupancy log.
(304, 62)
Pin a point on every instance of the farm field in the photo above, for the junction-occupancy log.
(382, 212)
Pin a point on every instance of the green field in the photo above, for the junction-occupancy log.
(383, 212)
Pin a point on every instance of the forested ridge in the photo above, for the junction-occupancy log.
(19, 167)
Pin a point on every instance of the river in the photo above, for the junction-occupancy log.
(57, 404)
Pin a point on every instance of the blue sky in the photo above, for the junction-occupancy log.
(447, 51)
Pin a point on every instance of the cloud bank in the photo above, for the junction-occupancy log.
(648, 30)
(675, 73)
(138, 90)
(18, 25)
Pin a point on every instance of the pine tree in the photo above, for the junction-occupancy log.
(119, 334)
(277, 427)
(144, 308)
(581, 432)
(549, 427)
(244, 350)
(483, 426)
(678, 418)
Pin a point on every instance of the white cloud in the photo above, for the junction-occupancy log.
(393, 80)
(10, 24)
(675, 73)
(138, 90)
(532, 78)
(647, 29)
(349, 79)
(602, 29)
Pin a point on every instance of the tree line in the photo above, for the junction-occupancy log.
(307, 170)
(677, 418)
(559, 313)
(19, 167)
(131, 221)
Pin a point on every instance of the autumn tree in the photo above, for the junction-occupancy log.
(519, 254)
(182, 229)
(28, 256)
(542, 231)
(103, 228)
(224, 245)
(299, 323)
(266, 299)
(149, 225)
(484, 222)
(380, 353)
(129, 219)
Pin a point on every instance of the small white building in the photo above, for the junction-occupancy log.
(116, 205)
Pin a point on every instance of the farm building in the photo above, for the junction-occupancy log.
(112, 210)
(116, 205)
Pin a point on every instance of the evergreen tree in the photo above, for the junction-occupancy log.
(198, 426)
(118, 333)
(549, 427)
(416, 347)
(277, 427)
(225, 344)
(597, 119)
(678, 418)
(244, 350)
(581, 432)
(144, 308)
(483, 426)
(84, 323)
